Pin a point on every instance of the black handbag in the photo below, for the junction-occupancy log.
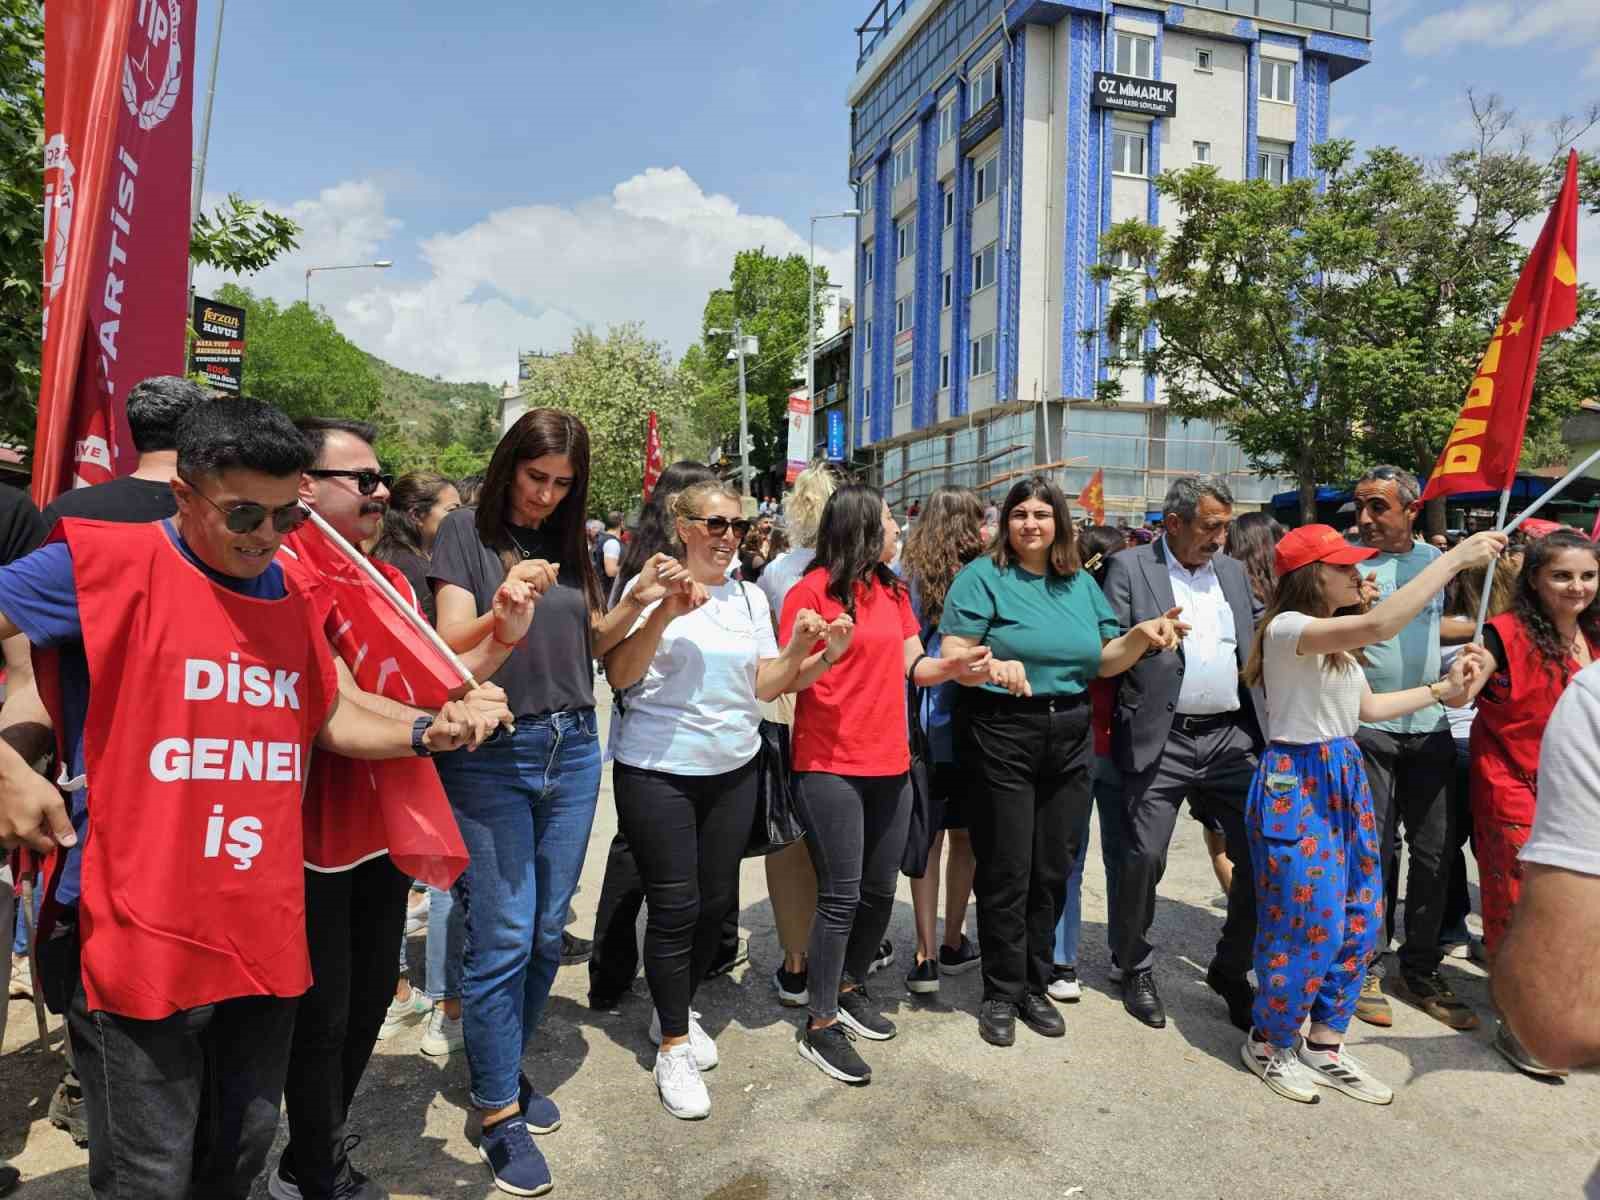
(927, 811)
(776, 823)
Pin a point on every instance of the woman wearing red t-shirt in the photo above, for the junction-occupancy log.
(851, 761)
(1551, 632)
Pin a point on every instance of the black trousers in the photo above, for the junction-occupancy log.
(354, 920)
(1410, 776)
(1458, 900)
(1030, 763)
(1211, 767)
(183, 1108)
(690, 832)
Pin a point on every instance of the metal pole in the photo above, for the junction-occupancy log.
(308, 285)
(744, 415)
(1488, 574)
(198, 187)
(811, 323)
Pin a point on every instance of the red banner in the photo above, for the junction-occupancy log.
(652, 457)
(1485, 445)
(118, 141)
(1093, 497)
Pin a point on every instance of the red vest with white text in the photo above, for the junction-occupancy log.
(203, 704)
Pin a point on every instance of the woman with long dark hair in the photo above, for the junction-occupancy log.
(1252, 539)
(946, 537)
(851, 760)
(1550, 633)
(1051, 632)
(653, 534)
(419, 502)
(525, 802)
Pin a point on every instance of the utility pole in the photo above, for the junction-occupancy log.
(198, 186)
(744, 414)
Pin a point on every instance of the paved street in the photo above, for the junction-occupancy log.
(1113, 1111)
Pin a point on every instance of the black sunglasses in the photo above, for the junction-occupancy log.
(719, 526)
(247, 517)
(366, 481)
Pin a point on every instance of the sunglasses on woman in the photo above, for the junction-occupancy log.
(719, 526)
(366, 481)
(247, 517)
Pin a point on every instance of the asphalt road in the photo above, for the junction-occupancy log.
(1114, 1110)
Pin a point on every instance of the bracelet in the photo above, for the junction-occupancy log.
(827, 660)
(508, 645)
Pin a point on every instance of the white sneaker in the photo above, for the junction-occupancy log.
(417, 915)
(21, 976)
(683, 1092)
(1064, 985)
(705, 1049)
(1281, 1070)
(404, 1012)
(1344, 1072)
(444, 1033)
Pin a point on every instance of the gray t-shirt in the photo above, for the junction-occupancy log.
(1566, 824)
(551, 671)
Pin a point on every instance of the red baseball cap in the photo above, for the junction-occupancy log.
(1316, 543)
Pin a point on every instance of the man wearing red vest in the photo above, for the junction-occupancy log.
(369, 827)
(187, 682)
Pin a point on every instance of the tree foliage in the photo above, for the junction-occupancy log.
(241, 237)
(1336, 321)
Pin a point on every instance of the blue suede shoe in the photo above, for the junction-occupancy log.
(518, 1167)
(538, 1110)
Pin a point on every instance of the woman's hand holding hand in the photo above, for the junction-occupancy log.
(840, 630)
(536, 572)
(514, 602)
(1011, 675)
(1163, 632)
(1479, 550)
(809, 629)
(650, 586)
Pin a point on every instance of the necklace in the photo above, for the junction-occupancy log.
(516, 540)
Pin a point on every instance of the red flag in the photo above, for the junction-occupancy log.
(652, 457)
(118, 132)
(1483, 449)
(1093, 497)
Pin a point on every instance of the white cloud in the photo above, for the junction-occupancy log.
(526, 277)
(1574, 24)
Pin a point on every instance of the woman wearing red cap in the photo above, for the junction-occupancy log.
(1313, 845)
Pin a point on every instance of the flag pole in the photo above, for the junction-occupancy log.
(1488, 573)
(417, 620)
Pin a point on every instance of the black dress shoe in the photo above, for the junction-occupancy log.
(1039, 1015)
(1236, 990)
(1139, 997)
(575, 950)
(997, 1022)
(9, 1178)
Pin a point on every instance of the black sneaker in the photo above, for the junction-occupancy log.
(960, 960)
(884, 957)
(923, 979)
(9, 1178)
(348, 1183)
(997, 1022)
(791, 985)
(830, 1049)
(575, 950)
(727, 961)
(860, 1014)
(1039, 1015)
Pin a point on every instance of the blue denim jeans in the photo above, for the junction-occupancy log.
(525, 804)
(447, 933)
(1108, 802)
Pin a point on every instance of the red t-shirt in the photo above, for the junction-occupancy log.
(852, 721)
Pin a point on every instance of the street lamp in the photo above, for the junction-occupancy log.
(811, 303)
(382, 264)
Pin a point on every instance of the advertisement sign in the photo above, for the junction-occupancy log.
(836, 448)
(982, 123)
(219, 344)
(904, 343)
(1131, 94)
(800, 442)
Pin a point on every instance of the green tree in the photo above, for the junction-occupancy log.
(442, 427)
(241, 237)
(612, 384)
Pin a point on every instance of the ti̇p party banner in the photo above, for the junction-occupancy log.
(118, 86)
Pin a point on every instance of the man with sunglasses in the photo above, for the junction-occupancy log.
(186, 680)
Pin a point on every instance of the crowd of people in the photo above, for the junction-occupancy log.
(964, 704)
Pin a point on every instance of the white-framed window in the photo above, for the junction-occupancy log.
(1130, 151)
(867, 262)
(1132, 347)
(867, 324)
(982, 355)
(905, 162)
(983, 266)
(1123, 261)
(947, 289)
(985, 85)
(905, 237)
(1136, 55)
(1202, 152)
(902, 389)
(903, 314)
(1277, 80)
(947, 122)
(864, 191)
(866, 401)
(944, 371)
(1272, 161)
(1202, 60)
(949, 207)
(985, 179)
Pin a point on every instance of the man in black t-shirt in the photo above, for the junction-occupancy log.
(156, 409)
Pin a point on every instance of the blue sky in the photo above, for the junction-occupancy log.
(533, 167)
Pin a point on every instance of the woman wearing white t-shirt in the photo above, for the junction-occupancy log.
(690, 675)
(1313, 842)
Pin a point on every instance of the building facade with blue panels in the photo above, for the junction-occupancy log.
(986, 172)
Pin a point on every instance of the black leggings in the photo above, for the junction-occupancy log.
(688, 834)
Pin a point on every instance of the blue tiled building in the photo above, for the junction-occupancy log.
(992, 142)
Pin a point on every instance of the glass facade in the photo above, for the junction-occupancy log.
(1350, 17)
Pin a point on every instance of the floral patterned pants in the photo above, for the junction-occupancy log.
(1319, 885)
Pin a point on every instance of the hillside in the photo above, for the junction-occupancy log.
(410, 401)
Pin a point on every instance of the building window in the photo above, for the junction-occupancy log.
(902, 315)
(868, 326)
(983, 263)
(985, 85)
(902, 389)
(1132, 347)
(947, 123)
(1277, 80)
(944, 371)
(864, 191)
(948, 290)
(1272, 161)
(1202, 152)
(1129, 151)
(1136, 55)
(905, 162)
(905, 237)
(1122, 260)
(866, 402)
(983, 355)
(949, 207)
(985, 178)
(1202, 60)
(867, 257)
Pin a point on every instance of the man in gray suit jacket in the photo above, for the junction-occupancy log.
(1184, 728)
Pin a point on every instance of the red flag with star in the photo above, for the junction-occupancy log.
(1093, 497)
(652, 456)
(1485, 445)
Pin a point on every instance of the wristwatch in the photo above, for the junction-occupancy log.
(419, 731)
